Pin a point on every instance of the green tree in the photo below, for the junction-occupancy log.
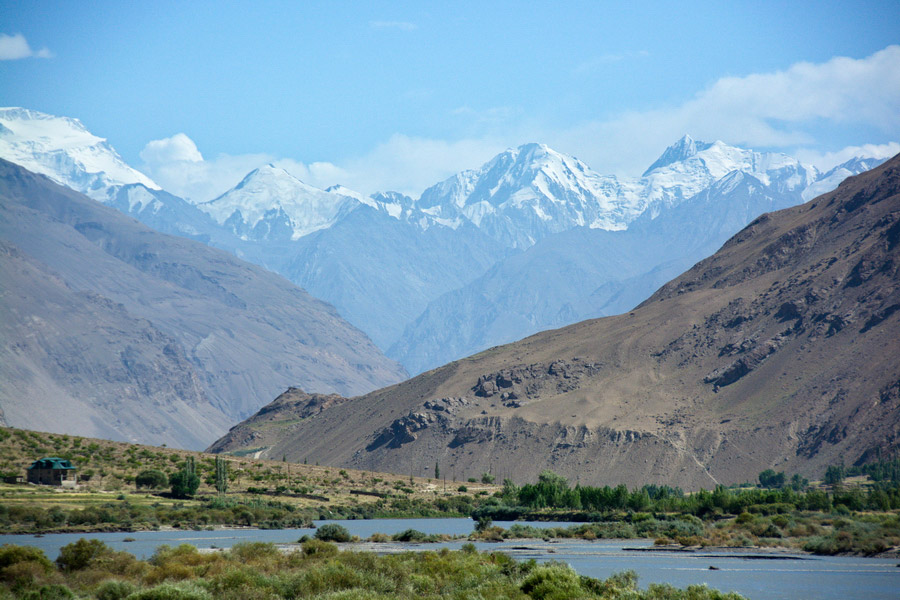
(834, 475)
(151, 478)
(771, 479)
(221, 475)
(186, 481)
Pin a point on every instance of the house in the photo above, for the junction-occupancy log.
(52, 471)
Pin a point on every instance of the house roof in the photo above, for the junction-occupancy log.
(52, 462)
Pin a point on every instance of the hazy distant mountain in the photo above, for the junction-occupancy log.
(779, 351)
(115, 330)
(65, 151)
(584, 272)
(485, 257)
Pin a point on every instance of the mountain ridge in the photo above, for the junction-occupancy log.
(778, 351)
(228, 334)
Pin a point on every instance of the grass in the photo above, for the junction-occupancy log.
(272, 493)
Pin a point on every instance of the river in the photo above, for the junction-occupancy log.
(758, 575)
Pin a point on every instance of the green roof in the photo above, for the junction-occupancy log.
(52, 462)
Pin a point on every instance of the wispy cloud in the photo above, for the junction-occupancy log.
(599, 62)
(402, 163)
(15, 47)
(827, 160)
(779, 109)
(401, 25)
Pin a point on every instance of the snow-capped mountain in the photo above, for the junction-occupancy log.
(583, 273)
(527, 193)
(829, 180)
(64, 150)
(391, 263)
(271, 204)
(688, 167)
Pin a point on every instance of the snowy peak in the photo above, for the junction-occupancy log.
(832, 178)
(64, 150)
(705, 163)
(271, 204)
(526, 193)
(681, 150)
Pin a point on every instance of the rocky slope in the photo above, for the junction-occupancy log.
(112, 329)
(779, 351)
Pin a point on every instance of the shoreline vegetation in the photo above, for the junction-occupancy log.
(317, 569)
(124, 487)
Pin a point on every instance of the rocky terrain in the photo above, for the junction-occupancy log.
(113, 330)
(779, 351)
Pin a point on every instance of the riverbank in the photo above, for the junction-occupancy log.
(315, 569)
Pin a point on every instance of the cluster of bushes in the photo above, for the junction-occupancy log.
(89, 569)
(552, 491)
(123, 515)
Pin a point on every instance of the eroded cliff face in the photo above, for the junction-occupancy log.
(780, 350)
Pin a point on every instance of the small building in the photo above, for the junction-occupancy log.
(53, 471)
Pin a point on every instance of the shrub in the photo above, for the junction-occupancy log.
(462, 489)
(172, 591)
(11, 554)
(113, 589)
(332, 532)
(553, 581)
(78, 555)
(410, 535)
(151, 478)
(53, 591)
(319, 548)
(246, 552)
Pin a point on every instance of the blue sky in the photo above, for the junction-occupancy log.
(394, 95)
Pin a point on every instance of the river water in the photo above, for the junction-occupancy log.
(758, 575)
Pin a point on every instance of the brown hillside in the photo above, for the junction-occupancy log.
(781, 350)
(111, 329)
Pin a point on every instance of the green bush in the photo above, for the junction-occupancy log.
(332, 532)
(11, 554)
(410, 535)
(151, 478)
(319, 548)
(172, 591)
(113, 589)
(78, 555)
(553, 581)
(53, 591)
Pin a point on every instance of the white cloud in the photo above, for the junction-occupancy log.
(780, 109)
(410, 164)
(401, 25)
(827, 160)
(15, 47)
(404, 164)
(177, 165)
(179, 147)
(786, 109)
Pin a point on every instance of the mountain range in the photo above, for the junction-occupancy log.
(111, 329)
(534, 239)
(778, 351)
